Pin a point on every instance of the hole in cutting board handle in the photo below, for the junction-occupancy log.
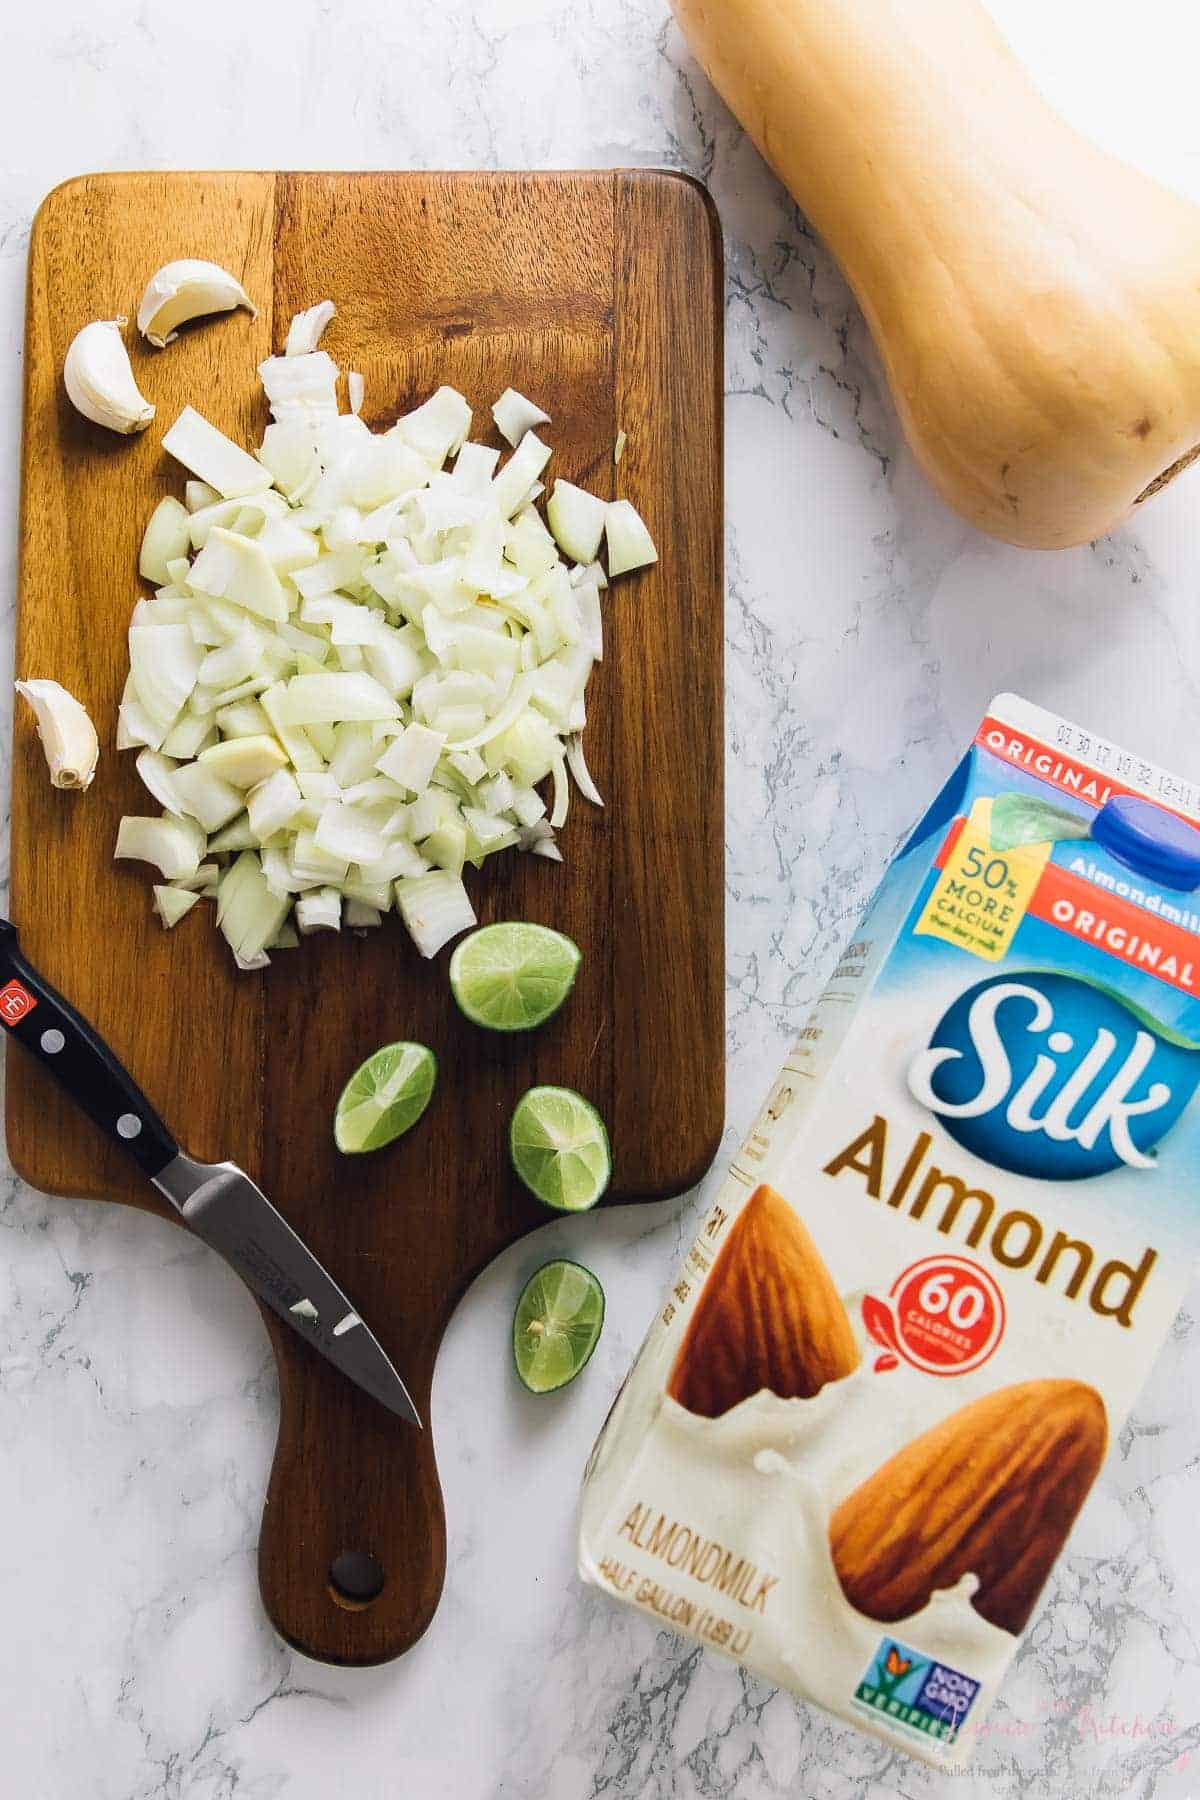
(355, 1579)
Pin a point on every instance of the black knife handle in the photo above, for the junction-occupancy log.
(77, 1056)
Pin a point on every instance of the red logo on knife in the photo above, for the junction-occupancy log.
(15, 1002)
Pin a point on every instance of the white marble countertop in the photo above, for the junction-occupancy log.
(867, 628)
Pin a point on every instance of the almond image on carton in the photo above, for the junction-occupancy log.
(769, 1317)
(992, 1491)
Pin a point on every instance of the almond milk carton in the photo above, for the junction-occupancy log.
(919, 1309)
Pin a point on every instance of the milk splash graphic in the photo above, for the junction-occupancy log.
(767, 1476)
(925, 1296)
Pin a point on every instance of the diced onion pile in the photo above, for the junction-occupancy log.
(364, 655)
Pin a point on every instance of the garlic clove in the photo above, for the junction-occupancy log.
(304, 332)
(99, 380)
(68, 735)
(187, 289)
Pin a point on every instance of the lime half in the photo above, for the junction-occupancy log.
(557, 1325)
(384, 1097)
(513, 977)
(559, 1148)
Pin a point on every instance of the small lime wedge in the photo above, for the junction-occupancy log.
(513, 977)
(384, 1097)
(559, 1148)
(557, 1325)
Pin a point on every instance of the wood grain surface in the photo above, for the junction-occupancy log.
(600, 295)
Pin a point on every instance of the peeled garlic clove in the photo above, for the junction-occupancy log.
(185, 290)
(68, 735)
(99, 379)
(304, 332)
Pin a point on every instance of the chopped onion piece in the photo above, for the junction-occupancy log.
(439, 427)
(236, 568)
(304, 1309)
(320, 910)
(594, 573)
(376, 790)
(236, 836)
(356, 393)
(317, 699)
(205, 879)
(486, 829)
(304, 332)
(515, 415)
(523, 466)
(548, 848)
(294, 739)
(134, 724)
(164, 661)
(155, 771)
(318, 787)
(244, 761)
(273, 804)
(166, 537)
(411, 758)
(398, 859)
(234, 661)
(314, 864)
(171, 903)
(173, 845)
(630, 545)
(344, 832)
(198, 494)
(201, 792)
(577, 520)
(469, 764)
(619, 446)
(289, 454)
(528, 806)
(212, 456)
(248, 913)
(579, 769)
(435, 908)
(591, 619)
(474, 467)
(301, 387)
(510, 712)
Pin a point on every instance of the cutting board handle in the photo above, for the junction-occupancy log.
(352, 1554)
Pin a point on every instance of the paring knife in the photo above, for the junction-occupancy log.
(217, 1200)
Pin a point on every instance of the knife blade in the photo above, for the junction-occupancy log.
(218, 1201)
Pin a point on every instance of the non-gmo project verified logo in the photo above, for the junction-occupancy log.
(928, 1697)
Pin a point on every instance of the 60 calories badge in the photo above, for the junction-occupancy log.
(944, 1314)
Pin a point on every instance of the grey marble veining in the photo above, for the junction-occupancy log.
(867, 627)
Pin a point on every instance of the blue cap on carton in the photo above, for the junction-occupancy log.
(1150, 840)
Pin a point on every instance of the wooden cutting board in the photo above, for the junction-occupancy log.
(600, 295)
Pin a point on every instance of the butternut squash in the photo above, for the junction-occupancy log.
(1036, 302)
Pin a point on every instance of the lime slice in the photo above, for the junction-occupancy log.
(559, 1148)
(513, 977)
(384, 1097)
(557, 1325)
